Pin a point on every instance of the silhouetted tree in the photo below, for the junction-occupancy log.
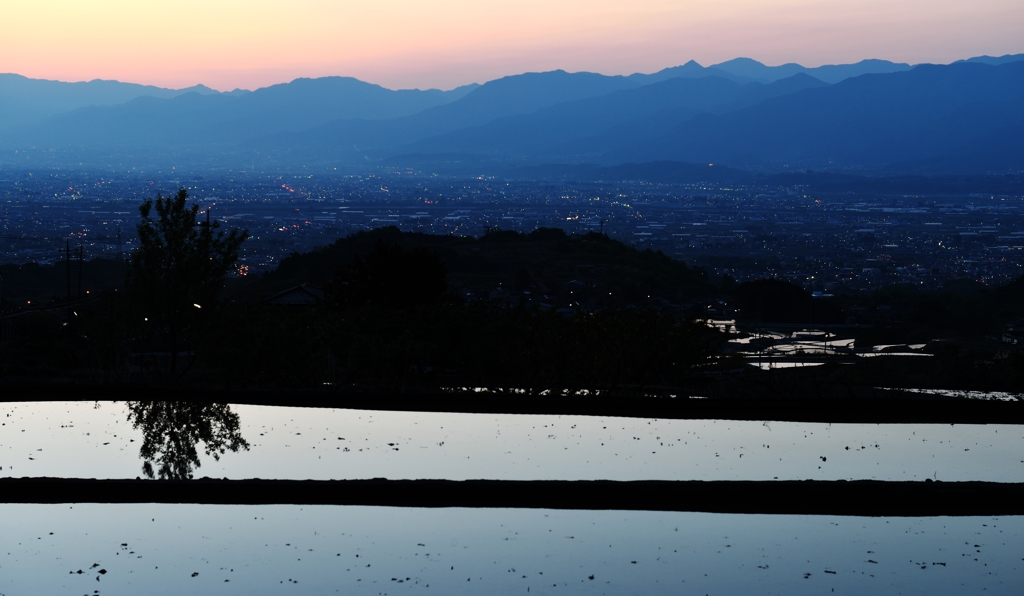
(171, 431)
(175, 276)
(728, 285)
(522, 279)
(548, 234)
(777, 301)
(497, 235)
(389, 275)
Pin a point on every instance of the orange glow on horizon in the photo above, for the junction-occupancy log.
(445, 43)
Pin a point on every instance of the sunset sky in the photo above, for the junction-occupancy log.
(445, 43)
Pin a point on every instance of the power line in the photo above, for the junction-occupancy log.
(42, 238)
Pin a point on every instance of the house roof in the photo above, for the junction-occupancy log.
(304, 294)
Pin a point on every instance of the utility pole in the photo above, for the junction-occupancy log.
(67, 263)
(3, 322)
(81, 265)
(118, 243)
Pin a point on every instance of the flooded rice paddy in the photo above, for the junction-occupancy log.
(96, 549)
(178, 549)
(90, 440)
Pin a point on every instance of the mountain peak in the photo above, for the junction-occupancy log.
(741, 61)
(200, 89)
(995, 60)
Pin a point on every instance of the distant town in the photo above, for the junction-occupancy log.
(826, 243)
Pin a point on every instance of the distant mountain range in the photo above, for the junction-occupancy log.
(746, 70)
(25, 101)
(872, 116)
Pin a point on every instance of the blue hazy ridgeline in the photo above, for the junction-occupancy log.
(963, 117)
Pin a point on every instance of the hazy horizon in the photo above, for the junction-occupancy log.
(444, 44)
(499, 76)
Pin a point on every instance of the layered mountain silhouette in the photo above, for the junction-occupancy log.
(874, 115)
(748, 70)
(194, 119)
(588, 128)
(967, 113)
(26, 101)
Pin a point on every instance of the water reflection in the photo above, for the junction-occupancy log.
(243, 550)
(73, 439)
(172, 430)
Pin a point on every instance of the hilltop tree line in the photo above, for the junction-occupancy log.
(539, 313)
(389, 320)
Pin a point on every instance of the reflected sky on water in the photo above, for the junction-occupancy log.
(180, 549)
(86, 440)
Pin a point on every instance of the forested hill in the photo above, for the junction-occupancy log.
(546, 262)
